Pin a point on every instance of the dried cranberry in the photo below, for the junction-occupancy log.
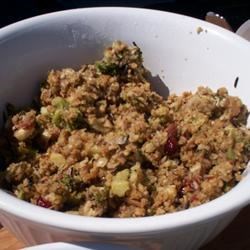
(194, 198)
(171, 146)
(43, 203)
(172, 130)
(187, 135)
(187, 183)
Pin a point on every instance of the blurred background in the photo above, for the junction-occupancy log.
(235, 11)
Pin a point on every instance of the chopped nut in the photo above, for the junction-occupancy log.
(57, 159)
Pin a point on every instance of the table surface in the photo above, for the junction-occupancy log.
(234, 237)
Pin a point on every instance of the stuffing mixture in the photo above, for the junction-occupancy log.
(100, 142)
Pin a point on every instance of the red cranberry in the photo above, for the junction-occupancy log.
(171, 146)
(187, 135)
(43, 203)
(194, 198)
(172, 130)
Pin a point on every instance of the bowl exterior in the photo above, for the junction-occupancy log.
(72, 38)
(185, 238)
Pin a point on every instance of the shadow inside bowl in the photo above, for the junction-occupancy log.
(158, 85)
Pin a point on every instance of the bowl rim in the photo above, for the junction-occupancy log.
(234, 200)
(231, 201)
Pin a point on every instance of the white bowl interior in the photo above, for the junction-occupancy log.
(184, 52)
(172, 46)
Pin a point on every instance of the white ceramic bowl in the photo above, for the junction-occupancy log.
(183, 51)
